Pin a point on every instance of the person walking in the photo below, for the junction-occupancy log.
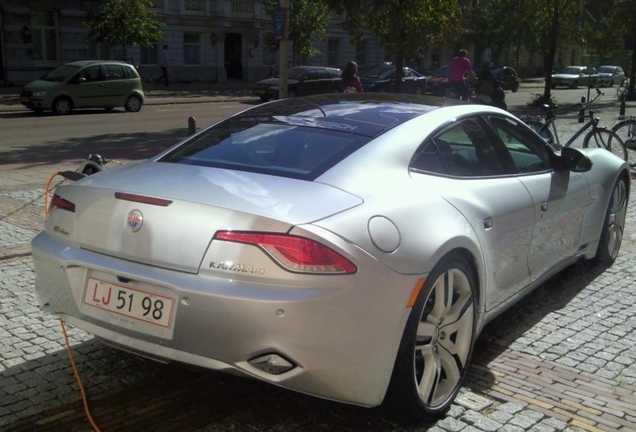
(460, 66)
(164, 63)
(349, 80)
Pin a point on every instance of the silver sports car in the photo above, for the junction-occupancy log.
(347, 246)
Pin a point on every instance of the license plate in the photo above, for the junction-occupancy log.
(25, 99)
(122, 300)
(260, 91)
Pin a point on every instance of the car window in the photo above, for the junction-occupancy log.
(528, 152)
(115, 72)
(463, 150)
(130, 72)
(312, 74)
(92, 74)
(407, 73)
(334, 73)
(267, 148)
(323, 74)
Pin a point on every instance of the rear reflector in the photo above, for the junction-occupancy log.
(142, 199)
(294, 254)
(60, 202)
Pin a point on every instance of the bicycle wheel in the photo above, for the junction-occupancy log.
(606, 139)
(541, 128)
(626, 131)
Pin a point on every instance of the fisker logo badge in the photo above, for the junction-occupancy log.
(134, 221)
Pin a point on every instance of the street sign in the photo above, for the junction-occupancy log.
(280, 23)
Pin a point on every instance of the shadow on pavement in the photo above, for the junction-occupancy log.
(135, 146)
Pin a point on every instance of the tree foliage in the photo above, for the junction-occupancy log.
(405, 26)
(308, 20)
(126, 22)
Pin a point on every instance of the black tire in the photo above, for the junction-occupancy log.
(626, 131)
(574, 85)
(264, 98)
(292, 94)
(62, 106)
(613, 226)
(437, 343)
(606, 139)
(133, 103)
(419, 90)
(515, 87)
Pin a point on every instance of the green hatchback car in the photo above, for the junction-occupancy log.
(85, 84)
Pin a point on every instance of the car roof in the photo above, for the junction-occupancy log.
(313, 67)
(358, 113)
(83, 63)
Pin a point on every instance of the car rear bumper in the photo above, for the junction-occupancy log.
(342, 341)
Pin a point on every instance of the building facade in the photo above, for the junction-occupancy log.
(208, 40)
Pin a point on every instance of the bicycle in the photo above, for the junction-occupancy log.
(626, 131)
(599, 136)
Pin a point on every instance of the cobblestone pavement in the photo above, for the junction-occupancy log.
(563, 359)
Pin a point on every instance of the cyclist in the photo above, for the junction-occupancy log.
(460, 67)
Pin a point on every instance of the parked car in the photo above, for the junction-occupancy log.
(301, 81)
(349, 246)
(382, 79)
(85, 84)
(438, 81)
(574, 76)
(507, 77)
(610, 75)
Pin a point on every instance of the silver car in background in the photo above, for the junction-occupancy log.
(347, 246)
(574, 76)
(610, 75)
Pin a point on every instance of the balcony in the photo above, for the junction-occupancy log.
(242, 9)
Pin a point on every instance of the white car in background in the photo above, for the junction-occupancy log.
(610, 75)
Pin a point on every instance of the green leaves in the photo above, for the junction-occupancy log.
(128, 22)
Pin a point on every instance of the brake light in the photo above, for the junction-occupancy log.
(293, 253)
(62, 203)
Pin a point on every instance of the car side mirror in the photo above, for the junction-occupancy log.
(81, 80)
(575, 160)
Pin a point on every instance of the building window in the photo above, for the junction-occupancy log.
(333, 52)
(149, 54)
(361, 52)
(44, 35)
(193, 5)
(191, 49)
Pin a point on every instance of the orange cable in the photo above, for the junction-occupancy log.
(77, 377)
(46, 194)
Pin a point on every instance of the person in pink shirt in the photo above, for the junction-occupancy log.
(460, 66)
(349, 80)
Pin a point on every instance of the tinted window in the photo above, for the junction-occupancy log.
(92, 74)
(334, 73)
(322, 73)
(268, 148)
(114, 72)
(528, 152)
(463, 150)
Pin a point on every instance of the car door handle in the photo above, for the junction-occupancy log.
(544, 207)
(488, 223)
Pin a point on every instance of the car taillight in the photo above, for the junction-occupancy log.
(62, 203)
(295, 254)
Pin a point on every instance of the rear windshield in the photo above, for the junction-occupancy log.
(284, 150)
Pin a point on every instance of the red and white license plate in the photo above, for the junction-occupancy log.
(133, 303)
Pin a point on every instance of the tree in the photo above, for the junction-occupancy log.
(126, 22)
(405, 26)
(616, 26)
(552, 24)
(308, 20)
